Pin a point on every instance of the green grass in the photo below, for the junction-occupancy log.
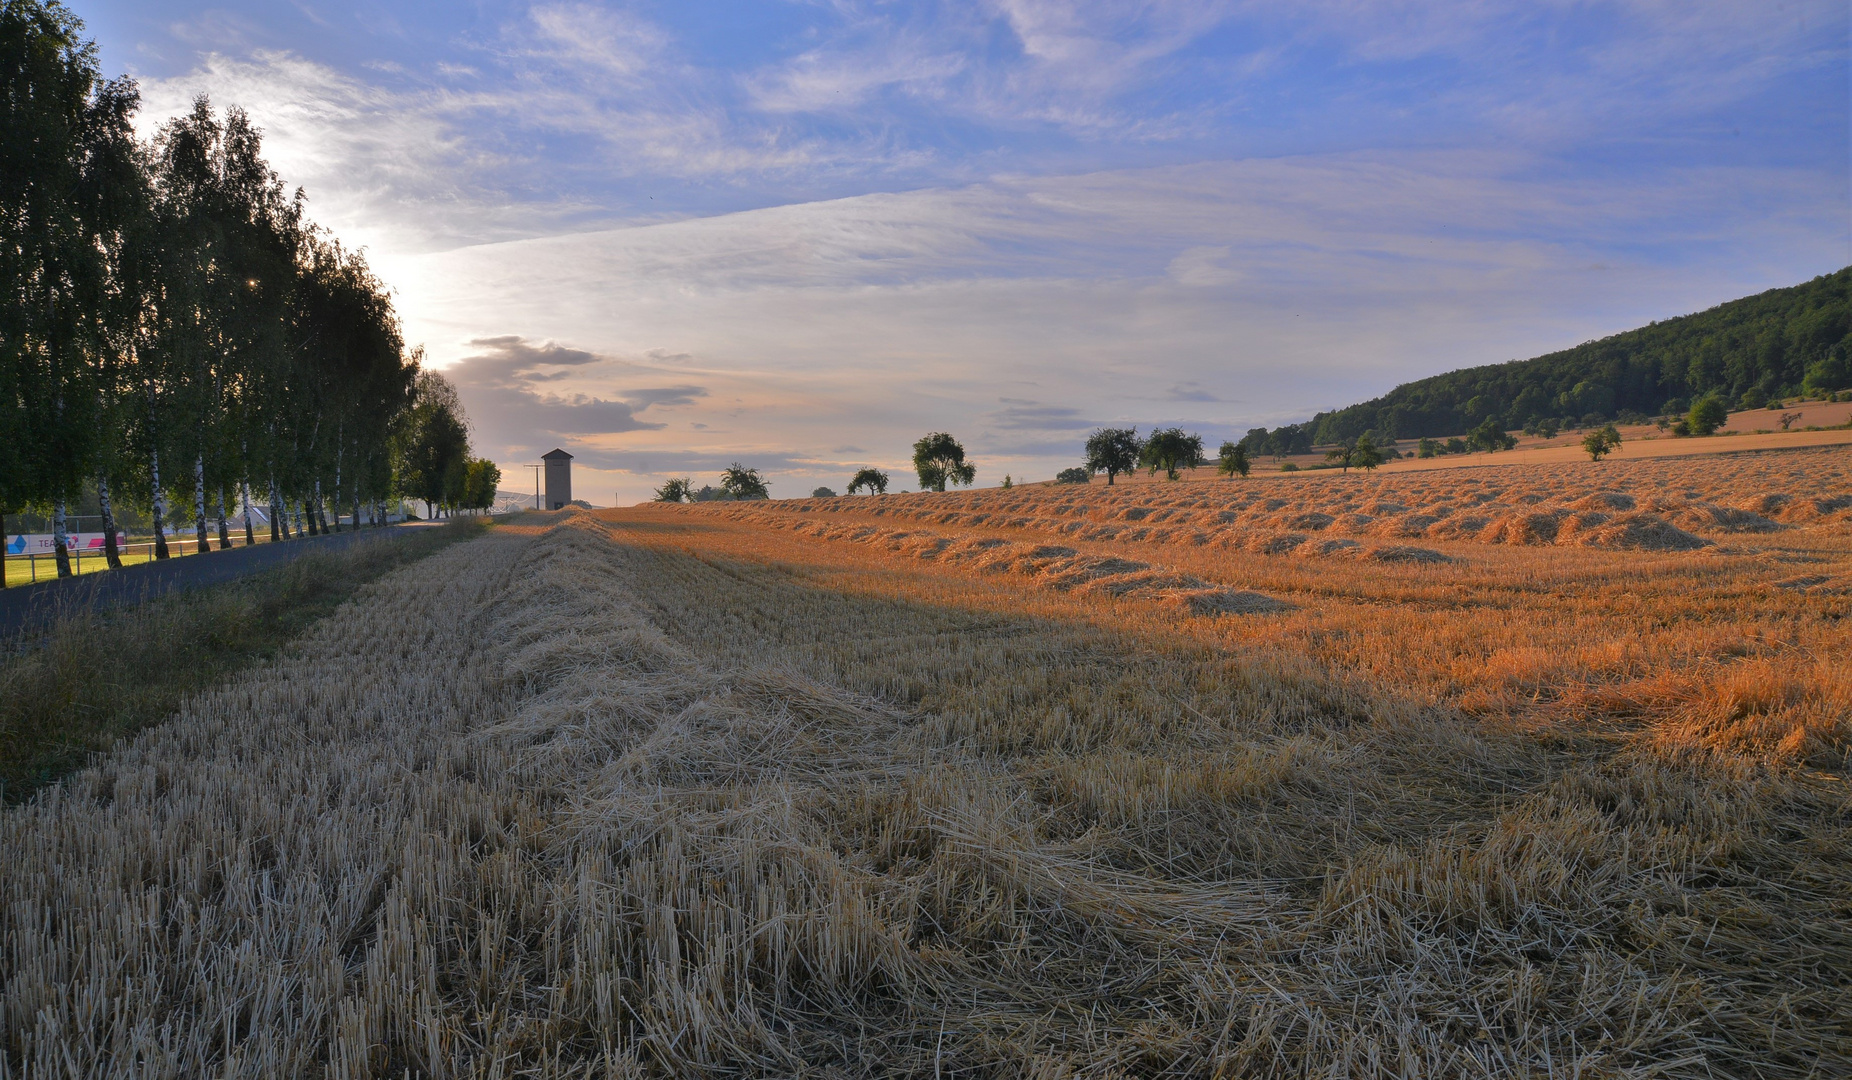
(21, 571)
(93, 679)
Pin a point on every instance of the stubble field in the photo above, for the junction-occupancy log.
(1521, 771)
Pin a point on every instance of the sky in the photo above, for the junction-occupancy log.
(667, 237)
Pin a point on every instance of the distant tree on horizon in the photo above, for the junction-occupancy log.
(1113, 451)
(677, 489)
(874, 480)
(940, 459)
(1076, 475)
(739, 482)
(1171, 450)
(1234, 460)
(822, 493)
(1362, 454)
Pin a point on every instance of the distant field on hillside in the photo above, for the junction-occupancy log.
(1750, 429)
(1517, 770)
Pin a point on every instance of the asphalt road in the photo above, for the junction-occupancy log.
(28, 607)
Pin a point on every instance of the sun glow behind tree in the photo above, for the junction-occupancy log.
(177, 333)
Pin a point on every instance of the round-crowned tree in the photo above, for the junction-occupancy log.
(1113, 451)
(874, 480)
(1599, 443)
(1171, 450)
(1234, 460)
(677, 489)
(739, 482)
(940, 460)
(1709, 414)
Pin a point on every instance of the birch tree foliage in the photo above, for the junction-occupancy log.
(62, 127)
(174, 332)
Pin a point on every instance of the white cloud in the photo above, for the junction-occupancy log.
(378, 167)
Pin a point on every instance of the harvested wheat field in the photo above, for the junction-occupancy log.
(1525, 771)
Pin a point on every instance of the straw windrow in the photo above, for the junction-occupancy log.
(665, 795)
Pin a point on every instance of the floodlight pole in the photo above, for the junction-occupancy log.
(536, 469)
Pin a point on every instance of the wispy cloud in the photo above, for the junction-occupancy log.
(1020, 415)
(670, 242)
(1022, 312)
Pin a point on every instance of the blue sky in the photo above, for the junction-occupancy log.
(799, 235)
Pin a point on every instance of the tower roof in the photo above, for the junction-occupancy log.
(556, 455)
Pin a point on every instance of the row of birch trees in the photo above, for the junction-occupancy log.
(175, 332)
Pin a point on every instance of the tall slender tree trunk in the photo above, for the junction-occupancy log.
(245, 491)
(160, 505)
(2, 552)
(111, 553)
(60, 540)
(201, 536)
(298, 511)
(277, 526)
(224, 533)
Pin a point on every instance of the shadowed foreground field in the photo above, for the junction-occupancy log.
(695, 791)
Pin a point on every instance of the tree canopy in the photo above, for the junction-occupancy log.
(939, 459)
(1233, 460)
(1113, 451)
(1598, 444)
(1171, 450)
(1707, 415)
(739, 482)
(870, 479)
(176, 335)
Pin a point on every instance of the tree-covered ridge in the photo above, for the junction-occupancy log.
(1781, 342)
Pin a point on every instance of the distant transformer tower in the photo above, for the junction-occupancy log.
(559, 479)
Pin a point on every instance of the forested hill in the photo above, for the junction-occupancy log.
(1780, 342)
